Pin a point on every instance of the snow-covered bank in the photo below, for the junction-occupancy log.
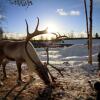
(79, 50)
(78, 72)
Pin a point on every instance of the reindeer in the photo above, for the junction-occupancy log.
(59, 37)
(24, 51)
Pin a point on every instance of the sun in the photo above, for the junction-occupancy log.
(52, 27)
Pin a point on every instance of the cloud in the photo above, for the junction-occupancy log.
(74, 13)
(70, 13)
(2, 17)
(61, 12)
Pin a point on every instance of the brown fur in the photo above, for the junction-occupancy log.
(15, 50)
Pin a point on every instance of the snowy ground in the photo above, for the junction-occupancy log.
(78, 72)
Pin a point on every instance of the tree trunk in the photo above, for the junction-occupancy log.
(90, 35)
(86, 18)
(87, 26)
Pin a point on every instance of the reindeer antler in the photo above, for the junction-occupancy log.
(37, 24)
(58, 36)
(36, 32)
(27, 27)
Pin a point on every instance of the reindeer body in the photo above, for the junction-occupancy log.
(23, 51)
(15, 50)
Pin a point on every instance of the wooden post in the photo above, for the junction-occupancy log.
(90, 36)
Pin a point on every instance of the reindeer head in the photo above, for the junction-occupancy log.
(42, 71)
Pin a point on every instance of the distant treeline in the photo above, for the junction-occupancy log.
(50, 43)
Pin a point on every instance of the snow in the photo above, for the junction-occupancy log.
(74, 58)
(78, 72)
(74, 54)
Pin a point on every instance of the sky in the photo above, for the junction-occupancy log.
(63, 16)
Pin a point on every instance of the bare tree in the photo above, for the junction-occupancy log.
(89, 29)
(21, 2)
(26, 3)
(87, 25)
(90, 36)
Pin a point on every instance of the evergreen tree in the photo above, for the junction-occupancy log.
(96, 35)
(1, 33)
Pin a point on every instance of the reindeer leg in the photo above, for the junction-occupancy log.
(19, 80)
(3, 64)
(4, 71)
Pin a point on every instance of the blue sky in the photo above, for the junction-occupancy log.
(62, 16)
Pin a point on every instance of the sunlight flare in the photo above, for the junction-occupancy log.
(52, 27)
